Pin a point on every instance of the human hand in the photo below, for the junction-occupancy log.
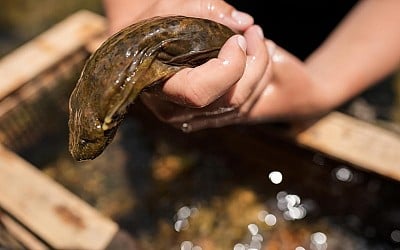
(252, 79)
(220, 90)
(271, 85)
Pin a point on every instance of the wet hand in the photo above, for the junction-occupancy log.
(251, 81)
(219, 92)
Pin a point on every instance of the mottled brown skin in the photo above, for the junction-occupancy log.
(141, 55)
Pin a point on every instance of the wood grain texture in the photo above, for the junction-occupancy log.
(31, 59)
(360, 143)
(53, 213)
(21, 234)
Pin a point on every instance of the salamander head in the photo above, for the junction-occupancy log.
(88, 136)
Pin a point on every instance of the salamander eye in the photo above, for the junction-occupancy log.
(85, 141)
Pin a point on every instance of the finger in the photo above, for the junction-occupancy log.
(199, 86)
(164, 110)
(256, 65)
(263, 82)
(280, 98)
(198, 123)
(173, 113)
(222, 12)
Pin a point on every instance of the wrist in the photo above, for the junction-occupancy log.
(331, 85)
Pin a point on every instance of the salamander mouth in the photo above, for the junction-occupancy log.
(85, 150)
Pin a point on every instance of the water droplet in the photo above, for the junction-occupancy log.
(253, 228)
(395, 235)
(343, 174)
(270, 220)
(183, 212)
(275, 177)
(257, 237)
(255, 245)
(292, 200)
(194, 211)
(318, 241)
(318, 238)
(277, 57)
(128, 53)
(281, 195)
(290, 205)
(186, 245)
(239, 246)
(261, 215)
(181, 225)
(296, 212)
(186, 127)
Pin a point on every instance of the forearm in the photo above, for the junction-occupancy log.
(364, 48)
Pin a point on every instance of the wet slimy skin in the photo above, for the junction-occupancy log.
(139, 56)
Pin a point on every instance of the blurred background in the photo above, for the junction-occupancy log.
(21, 20)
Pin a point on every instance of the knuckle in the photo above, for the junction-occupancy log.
(214, 8)
(195, 96)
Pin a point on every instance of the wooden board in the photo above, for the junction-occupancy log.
(53, 213)
(47, 49)
(357, 142)
(21, 234)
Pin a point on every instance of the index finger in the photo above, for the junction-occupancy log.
(199, 86)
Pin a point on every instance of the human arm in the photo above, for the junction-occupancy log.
(362, 49)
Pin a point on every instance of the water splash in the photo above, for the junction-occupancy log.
(182, 217)
(186, 127)
(291, 206)
(318, 241)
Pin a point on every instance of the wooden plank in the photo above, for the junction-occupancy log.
(47, 49)
(21, 234)
(49, 210)
(357, 142)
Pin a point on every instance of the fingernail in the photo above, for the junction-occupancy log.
(242, 43)
(271, 46)
(242, 18)
(259, 32)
